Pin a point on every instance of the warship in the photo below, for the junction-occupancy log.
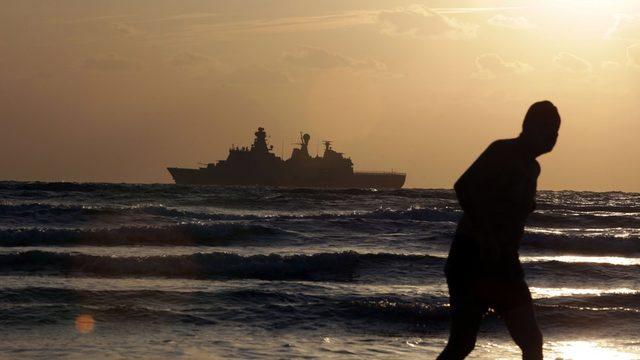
(259, 166)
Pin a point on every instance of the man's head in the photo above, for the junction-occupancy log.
(540, 127)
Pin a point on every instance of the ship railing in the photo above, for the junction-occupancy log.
(379, 173)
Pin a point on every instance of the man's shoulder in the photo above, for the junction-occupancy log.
(500, 146)
(505, 142)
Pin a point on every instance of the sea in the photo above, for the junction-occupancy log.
(92, 271)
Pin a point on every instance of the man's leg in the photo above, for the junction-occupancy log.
(524, 330)
(462, 335)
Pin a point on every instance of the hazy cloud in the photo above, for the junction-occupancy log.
(187, 59)
(255, 74)
(474, 9)
(294, 24)
(610, 65)
(420, 22)
(493, 65)
(625, 27)
(519, 22)
(572, 63)
(633, 55)
(109, 62)
(97, 19)
(126, 29)
(317, 58)
(415, 21)
(183, 17)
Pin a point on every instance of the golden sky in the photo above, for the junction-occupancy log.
(118, 90)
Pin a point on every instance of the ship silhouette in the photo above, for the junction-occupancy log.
(259, 166)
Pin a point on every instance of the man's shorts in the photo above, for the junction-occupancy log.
(480, 294)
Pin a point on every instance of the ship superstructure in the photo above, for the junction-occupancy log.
(258, 165)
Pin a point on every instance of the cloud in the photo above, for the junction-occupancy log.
(625, 27)
(97, 19)
(293, 24)
(255, 75)
(125, 29)
(493, 65)
(572, 63)
(415, 21)
(633, 55)
(610, 66)
(474, 9)
(109, 62)
(184, 17)
(519, 22)
(420, 22)
(188, 59)
(317, 58)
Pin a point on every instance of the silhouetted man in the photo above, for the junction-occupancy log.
(483, 270)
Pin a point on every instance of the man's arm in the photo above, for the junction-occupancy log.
(476, 188)
(480, 191)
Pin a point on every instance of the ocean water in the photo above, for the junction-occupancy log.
(166, 271)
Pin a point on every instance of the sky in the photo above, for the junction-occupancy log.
(116, 91)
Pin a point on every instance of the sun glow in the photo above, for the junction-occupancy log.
(601, 5)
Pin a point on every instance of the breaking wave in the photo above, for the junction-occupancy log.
(587, 245)
(323, 266)
(217, 234)
(69, 213)
(342, 266)
(49, 213)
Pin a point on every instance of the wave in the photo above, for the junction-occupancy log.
(218, 234)
(43, 213)
(580, 271)
(346, 266)
(414, 213)
(435, 312)
(323, 266)
(622, 301)
(65, 213)
(49, 213)
(236, 233)
(584, 245)
(288, 308)
(540, 219)
(585, 220)
(580, 202)
(157, 188)
(82, 187)
(54, 295)
(75, 213)
(39, 213)
(51, 314)
(590, 208)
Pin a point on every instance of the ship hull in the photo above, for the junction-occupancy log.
(184, 176)
(378, 180)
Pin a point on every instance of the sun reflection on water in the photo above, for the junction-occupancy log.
(587, 350)
(612, 260)
(542, 292)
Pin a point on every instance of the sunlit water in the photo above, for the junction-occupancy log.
(163, 271)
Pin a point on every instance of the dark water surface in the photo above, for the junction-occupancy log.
(165, 271)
